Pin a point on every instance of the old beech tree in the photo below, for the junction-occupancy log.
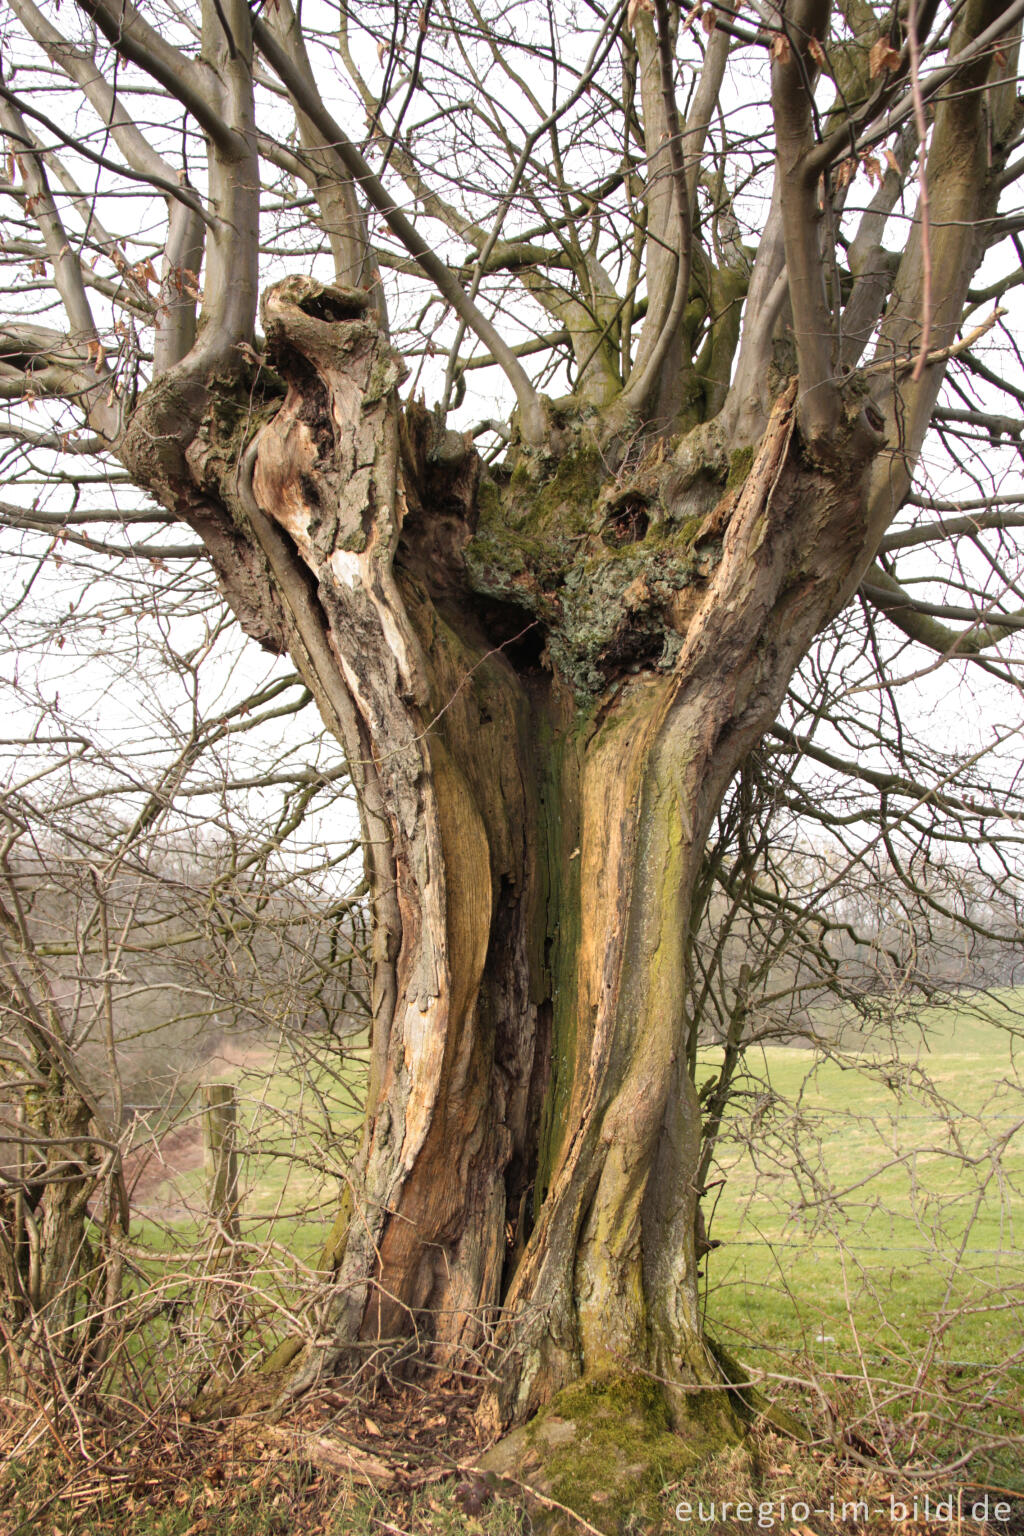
(722, 261)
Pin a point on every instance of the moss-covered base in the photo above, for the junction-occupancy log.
(607, 1451)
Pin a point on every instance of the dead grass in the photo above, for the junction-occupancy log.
(170, 1477)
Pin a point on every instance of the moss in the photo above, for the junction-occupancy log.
(530, 533)
(544, 508)
(609, 1452)
(606, 600)
(488, 503)
(750, 1403)
(689, 529)
(614, 610)
(236, 407)
(573, 487)
(739, 468)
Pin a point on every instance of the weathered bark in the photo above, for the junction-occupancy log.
(60, 1264)
(543, 685)
(542, 678)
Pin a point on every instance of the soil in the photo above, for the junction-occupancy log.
(152, 1168)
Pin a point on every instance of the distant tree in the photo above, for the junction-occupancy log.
(736, 246)
(159, 896)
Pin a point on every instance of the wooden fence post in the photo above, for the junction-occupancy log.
(220, 1144)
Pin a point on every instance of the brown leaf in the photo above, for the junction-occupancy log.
(816, 51)
(883, 56)
(634, 8)
(697, 9)
(423, 17)
(370, 1427)
(781, 49)
(892, 162)
(873, 167)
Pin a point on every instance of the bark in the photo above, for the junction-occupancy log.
(544, 677)
(60, 1267)
(541, 723)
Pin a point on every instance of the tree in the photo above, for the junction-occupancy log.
(161, 888)
(546, 661)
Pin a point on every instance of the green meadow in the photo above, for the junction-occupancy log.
(870, 1219)
(872, 1227)
(872, 1201)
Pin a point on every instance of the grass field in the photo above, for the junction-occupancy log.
(870, 1273)
(870, 1221)
(298, 1119)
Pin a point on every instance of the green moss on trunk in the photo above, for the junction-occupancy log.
(608, 1449)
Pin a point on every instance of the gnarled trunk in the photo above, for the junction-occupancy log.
(543, 682)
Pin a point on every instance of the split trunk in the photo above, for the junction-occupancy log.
(543, 679)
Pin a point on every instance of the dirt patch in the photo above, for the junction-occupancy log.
(151, 1169)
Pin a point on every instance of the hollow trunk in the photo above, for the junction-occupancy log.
(543, 680)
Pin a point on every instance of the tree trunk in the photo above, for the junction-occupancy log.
(55, 1267)
(543, 682)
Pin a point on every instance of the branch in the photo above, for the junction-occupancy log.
(953, 528)
(838, 143)
(139, 153)
(533, 419)
(41, 522)
(158, 183)
(917, 619)
(887, 783)
(792, 105)
(175, 330)
(84, 344)
(905, 364)
(343, 221)
(133, 38)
